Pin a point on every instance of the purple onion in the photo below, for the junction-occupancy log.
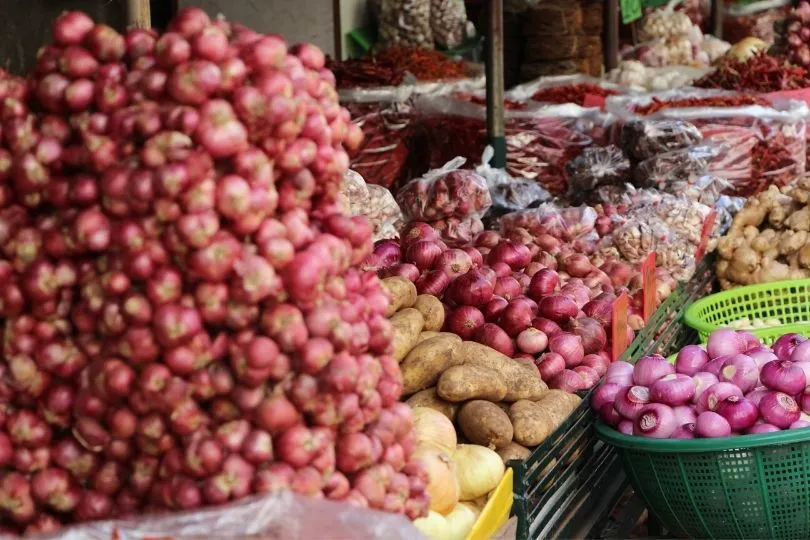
(714, 394)
(686, 431)
(684, 414)
(779, 409)
(656, 421)
(626, 427)
(690, 360)
(651, 368)
(741, 371)
(710, 424)
(784, 346)
(784, 376)
(724, 342)
(630, 401)
(740, 413)
(763, 428)
(703, 380)
(673, 389)
(606, 393)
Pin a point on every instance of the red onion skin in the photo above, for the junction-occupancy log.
(601, 308)
(690, 360)
(762, 357)
(763, 428)
(532, 341)
(594, 338)
(740, 413)
(724, 342)
(492, 310)
(619, 372)
(550, 365)
(631, 400)
(568, 381)
(779, 409)
(432, 282)
(423, 254)
(543, 283)
(684, 414)
(755, 395)
(590, 376)
(569, 346)
(784, 376)
(609, 415)
(801, 353)
(492, 336)
(605, 393)
(625, 427)
(515, 318)
(711, 425)
(784, 346)
(547, 326)
(557, 307)
(464, 321)
(741, 371)
(596, 362)
(714, 394)
(471, 289)
(674, 389)
(685, 431)
(651, 368)
(655, 420)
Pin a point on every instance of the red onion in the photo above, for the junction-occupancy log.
(625, 426)
(799, 424)
(801, 353)
(423, 254)
(432, 282)
(714, 366)
(724, 342)
(755, 395)
(388, 251)
(690, 360)
(597, 362)
(783, 376)
(569, 381)
(470, 289)
(594, 338)
(515, 318)
(740, 413)
(601, 308)
(547, 326)
(491, 335)
(710, 425)
(453, 262)
(492, 310)
(714, 394)
(655, 420)
(631, 400)
(464, 321)
(741, 371)
(763, 428)
(784, 346)
(488, 239)
(543, 283)
(779, 409)
(684, 414)
(532, 341)
(609, 415)
(550, 365)
(557, 307)
(651, 368)
(605, 393)
(673, 389)
(580, 294)
(750, 341)
(568, 346)
(804, 401)
(590, 376)
(762, 357)
(619, 372)
(515, 255)
(685, 431)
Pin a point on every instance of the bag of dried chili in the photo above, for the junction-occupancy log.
(580, 90)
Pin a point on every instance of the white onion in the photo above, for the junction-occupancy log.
(460, 521)
(478, 470)
(434, 428)
(442, 484)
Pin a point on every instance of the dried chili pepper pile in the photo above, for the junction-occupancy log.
(760, 73)
(383, 157)
(657, 104)
(510, 104)
(389, 66)
(571, 93)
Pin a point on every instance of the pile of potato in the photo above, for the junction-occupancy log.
(494, 400)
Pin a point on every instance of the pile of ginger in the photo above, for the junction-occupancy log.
(769, 239)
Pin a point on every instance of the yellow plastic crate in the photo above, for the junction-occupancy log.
(496, 511)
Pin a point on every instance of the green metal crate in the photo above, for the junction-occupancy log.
(553, 485)
(788, 301)
(750, 486)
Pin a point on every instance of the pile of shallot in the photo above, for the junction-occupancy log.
(734, 385)
(183, 321)
(512, 297)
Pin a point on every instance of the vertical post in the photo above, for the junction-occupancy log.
(139, 14)
(611, 30)
(717, 18)
(495, 107)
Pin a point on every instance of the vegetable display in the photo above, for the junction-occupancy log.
(184, 323)
(734, 385)
(760, 72)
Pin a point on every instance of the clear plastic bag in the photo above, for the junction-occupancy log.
(566, 223)
(405, 23)
(597, 167)
(445, 192)
(726, 207)
(458, 230)
(508, 194)
(764, 140)
(448, 21)
(643, 139)
(563, 89)
(281, 516)
(374, 202)
(755, 19)
(665, 169)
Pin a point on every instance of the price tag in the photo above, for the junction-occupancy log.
(631, 10)
(619, 326)
(648, 285)
(594, 100)
(705, 234)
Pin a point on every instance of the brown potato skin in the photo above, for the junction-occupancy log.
(513, 451)
(484, 423)
(425, 363)
(432, 310)
(522, 382)
(403, 293)
(429, 398)
(468, 381)
(407, 324)
(531, 423)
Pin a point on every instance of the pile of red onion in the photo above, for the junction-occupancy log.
(734, 385)
(183, 321)
(554, 312)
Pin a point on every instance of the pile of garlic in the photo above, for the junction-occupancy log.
(637, 76)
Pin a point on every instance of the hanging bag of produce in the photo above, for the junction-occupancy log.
(405, 23)
(374, 202)
(448, 21)
(754, 19)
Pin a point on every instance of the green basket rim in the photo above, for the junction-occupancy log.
(695, 446)
(692, 320)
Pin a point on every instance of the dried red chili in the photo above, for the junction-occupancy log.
(657, 104)
(507, 103)
(389, 66)
(383, 157)
(760, 73)
(571, 93)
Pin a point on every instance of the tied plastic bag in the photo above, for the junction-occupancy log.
(565, 224)
(643, 139)
(726, 208)
(508, 194)
(281, 516)
(681, 165)
(444, 193)
(456, 231)
(376, 203)
(405, 23)
(448, 21)
(596, 167)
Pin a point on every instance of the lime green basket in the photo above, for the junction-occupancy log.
(750, 486)
(788, 301)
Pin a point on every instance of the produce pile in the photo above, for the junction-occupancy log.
(183, 323)
(760, 73)
(389, 67)
(733, 386)
(793, 37)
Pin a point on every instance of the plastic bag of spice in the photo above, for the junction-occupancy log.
(448, 21)
(763, 139)
(681, 165)
(540, 140)
(405, 23)
(643, 139)
(446, 192)
(561, 89)
(597, 166)
(508, 194)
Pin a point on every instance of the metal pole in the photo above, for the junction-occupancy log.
(717, 18)
(495, 83)
(611, 30)
(139, 14)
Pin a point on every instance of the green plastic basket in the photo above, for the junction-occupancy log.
(750, 486)
(788, 301)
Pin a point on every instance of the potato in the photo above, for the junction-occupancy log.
(559, 404)
(427, 335)
(432, 310)
(407, 324)
(469, 381)
(428, 398)
(403, 293)
(427, 361)
(522, 382)
(513, 451)
(485, 423)
(531, 423)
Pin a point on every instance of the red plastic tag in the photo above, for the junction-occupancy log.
(705, 233)
(594, 100)
(648, 285)
(619, 326)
